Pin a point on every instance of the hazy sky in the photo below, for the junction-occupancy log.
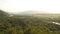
(52, 6)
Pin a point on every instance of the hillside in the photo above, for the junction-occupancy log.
(25, 24)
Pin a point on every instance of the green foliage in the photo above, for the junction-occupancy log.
(27, 24)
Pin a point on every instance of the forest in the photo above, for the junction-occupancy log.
(29, 24)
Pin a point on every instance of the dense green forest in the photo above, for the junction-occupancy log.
(25, 24)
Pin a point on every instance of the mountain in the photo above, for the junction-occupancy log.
(33, 12)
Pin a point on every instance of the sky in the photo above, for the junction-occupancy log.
(15, 6)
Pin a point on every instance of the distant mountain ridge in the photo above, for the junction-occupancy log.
(33, 12)
(37, 13)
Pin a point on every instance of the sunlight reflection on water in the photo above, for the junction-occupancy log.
(56, 23)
